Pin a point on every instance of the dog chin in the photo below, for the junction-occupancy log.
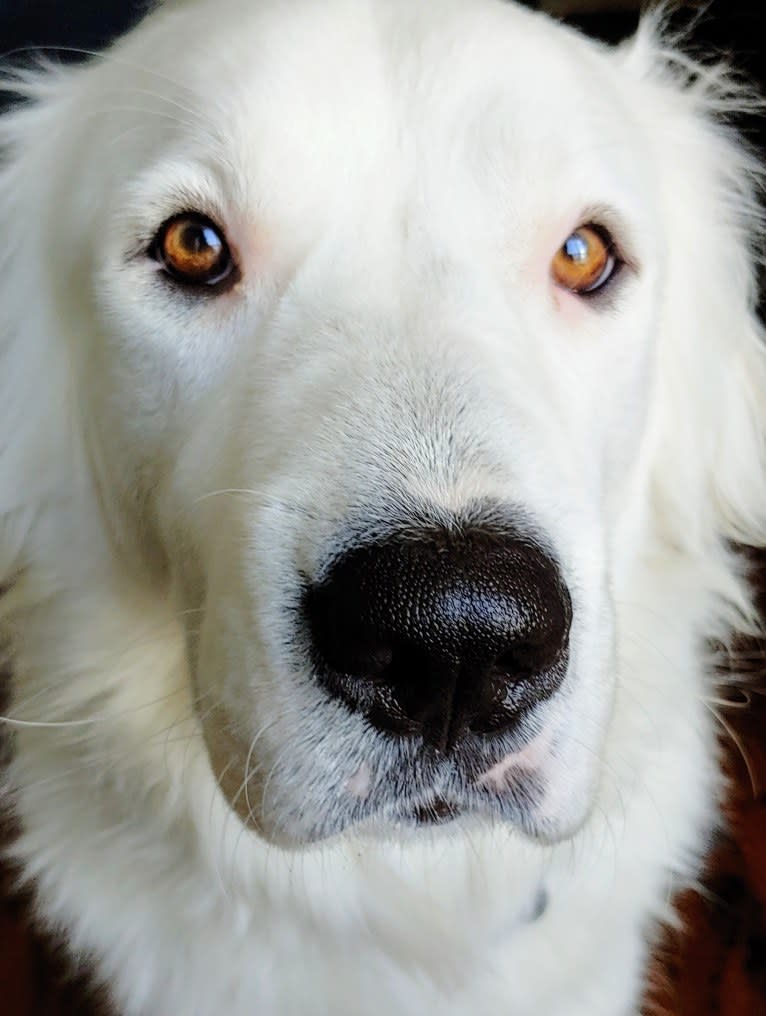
(434, 816)
(413, 819)
(539, 807)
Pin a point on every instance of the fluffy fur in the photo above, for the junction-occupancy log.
(394, 178)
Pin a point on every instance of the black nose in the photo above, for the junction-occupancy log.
(440, 633)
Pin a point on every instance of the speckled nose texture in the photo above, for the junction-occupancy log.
(439, 633)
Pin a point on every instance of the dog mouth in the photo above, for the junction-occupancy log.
(387, 786)
(506, 788)
(432, 810)
(439, 811)
(400, 789)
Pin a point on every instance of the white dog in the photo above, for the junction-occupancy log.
(380, 396)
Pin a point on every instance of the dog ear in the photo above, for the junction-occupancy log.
(707, 439)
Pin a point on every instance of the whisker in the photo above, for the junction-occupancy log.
(103, 57)
(190, 110)
(740, 746)
(10, 721)
(264, 498)
(108, 761)
(106, 716)
(108, 111)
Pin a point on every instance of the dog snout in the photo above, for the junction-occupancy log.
(441, 633)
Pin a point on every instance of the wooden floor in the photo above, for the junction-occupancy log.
(717, 967)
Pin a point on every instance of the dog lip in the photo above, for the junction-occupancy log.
(528, 758)
(436, 812)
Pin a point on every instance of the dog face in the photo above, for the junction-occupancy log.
(373, 337)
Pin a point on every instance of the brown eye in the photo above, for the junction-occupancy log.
(586, 261)
(192, 249)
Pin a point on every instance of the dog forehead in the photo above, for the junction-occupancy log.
(445, 113)
(348, 79)
(363, 126)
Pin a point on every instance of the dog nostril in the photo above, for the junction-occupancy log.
(441, 632)
(375, 663)
(523, 660)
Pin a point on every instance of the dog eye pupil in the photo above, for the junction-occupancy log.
(192, 249)
(197, 239)
(586, 261)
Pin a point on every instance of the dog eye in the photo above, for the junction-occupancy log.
(193, 250)
(586, 261)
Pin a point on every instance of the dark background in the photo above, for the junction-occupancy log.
(736, 25)
(716, 965)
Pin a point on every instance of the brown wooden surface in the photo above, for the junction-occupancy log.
(717, 966)
(36, 979)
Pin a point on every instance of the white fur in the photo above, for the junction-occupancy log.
(395, 178)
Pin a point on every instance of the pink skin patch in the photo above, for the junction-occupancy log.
(359, 784)
(530, 757)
